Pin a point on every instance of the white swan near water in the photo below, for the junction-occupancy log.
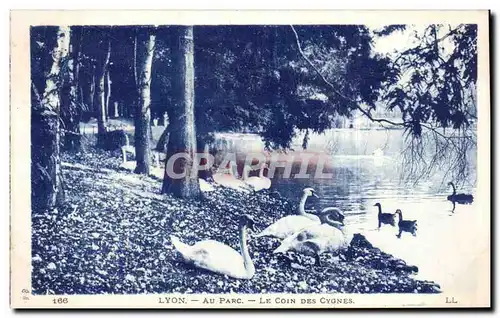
(218, 257)
(257, 183)
(291, 224)
(329, 236)
(228, 180)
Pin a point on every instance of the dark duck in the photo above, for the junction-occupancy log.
(460, 198)
(409, 226)
(384, 218)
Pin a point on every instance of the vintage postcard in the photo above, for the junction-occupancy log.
(250, 159)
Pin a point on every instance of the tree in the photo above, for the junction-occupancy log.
(103, 52)
(71, 108)
(436, 95)
(431, 84)
(182, 139)
(47, 183)
(144, 59)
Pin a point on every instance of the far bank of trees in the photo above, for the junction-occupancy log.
(271, 80)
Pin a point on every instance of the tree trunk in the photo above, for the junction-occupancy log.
(104, 52)
(115, 110)
(144, 60)
(182, 130)
(47, 190)
(92, 107)
(161, 146)
(107, 93)
(70, 109)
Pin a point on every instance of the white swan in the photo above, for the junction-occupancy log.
(218, 257)
(128, 165)
(205, 186)
(330, 236)
(257, 183)
(127, 147)
(230, 181)
(335, 213)
(291, 224)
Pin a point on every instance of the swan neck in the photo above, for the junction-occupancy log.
(124, 155)
(302, 204)
(332, 222)
(453, 186)
(400, 216)
(379, 209)
(247, 261)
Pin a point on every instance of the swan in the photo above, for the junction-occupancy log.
(290, 224)
(406, 225)
(205, 186)
(384, 218)
(127, 147)
(257, 183)
(336, 213)
(127, 165)
(330, 236)
(230, 181)
(460, 198)
(218, 257)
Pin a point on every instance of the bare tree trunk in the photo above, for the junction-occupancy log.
(70, 109)
(115, 110)
(92, 107)
(47, 189)
(144, 60)
(182, 131)
(107, 93)
(104, 52)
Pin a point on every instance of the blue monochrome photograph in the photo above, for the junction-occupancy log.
(256, 159)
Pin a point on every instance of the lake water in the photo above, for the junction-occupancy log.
(366, 168)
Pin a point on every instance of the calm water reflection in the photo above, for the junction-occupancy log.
(366, 168)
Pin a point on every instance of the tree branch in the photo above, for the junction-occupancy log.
(297, 40)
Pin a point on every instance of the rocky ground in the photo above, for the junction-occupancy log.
(112, 236)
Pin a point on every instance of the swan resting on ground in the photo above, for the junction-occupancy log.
(328, 237)
(205, 186)
(218, 257)
(257, 183)
(230, 181)
(290, 224)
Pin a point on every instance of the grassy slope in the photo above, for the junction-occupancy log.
(112, 236)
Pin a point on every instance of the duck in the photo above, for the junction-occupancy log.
(218, 257)
(228, 180)
(409, 226)
(384, 218)
(330, 236)
(257, 183)
(290, 224)
(460, 198)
